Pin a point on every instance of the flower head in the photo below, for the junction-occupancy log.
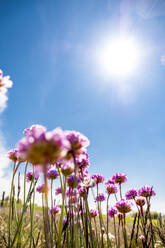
(124, 206)
(58, 191)
(82, 192)
(131, 194)
(119, 178)
(110, 181)
(140, 201)
(98, 178)
(82, 160)
(73, 181)
(146, 191)
(112, 212)
(100, 197)
(42, 188)
(52, 174)
(111, 189)
(30, 176)
(93, 213)
(67, 168)
(15, 155)
(40, 147)
(77, 141)
(54, 210)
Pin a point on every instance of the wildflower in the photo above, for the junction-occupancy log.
(58, 191)
(93, 213)
(82, 160)
(40, 147)
(112, 212)
(52, 174)
(140, 201)
(119, 178)
(82, 192)
(100, 197)
(42, 188)
(123, 206)
(141, 238)
(67, 169)
(88, 183)
(15, 155)
(30, 176)
(111, 189)
(54, 210)
(98, 178)
(146, 191)
(110, 181)
(131, 194)
(77, 141)
(73, 181)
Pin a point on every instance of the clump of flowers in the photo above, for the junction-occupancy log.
(93, 213)
(98, 178)
(30, 176)
(54, 210)
(146, 191)
(42, 188)
(112, 212)
(15, 156)
(73, 181)
(100, 197)
(111, 189)
(67, 169)
(131, 194)
(77, 141)
(119, 178)
(124, 206)
(41, 147)
(52, 174)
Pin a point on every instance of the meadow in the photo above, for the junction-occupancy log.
(61, 156)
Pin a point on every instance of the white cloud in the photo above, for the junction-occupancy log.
(3, 102)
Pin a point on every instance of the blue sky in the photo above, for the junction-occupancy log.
(49, 47)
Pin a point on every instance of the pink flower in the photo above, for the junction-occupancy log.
(98, 178)
(93, 213)
(52, 174)
(111, 189)
(54, 210)
(40, 147)
(119, 178)
(146, 191)
(112, 212)
(124, 206)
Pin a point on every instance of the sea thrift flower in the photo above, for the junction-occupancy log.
(112, 212)
(52, 174)
(100, 197)
(98, 178)
(146, 191)
(119, 178)
(58, 191)
(131, 194)
(42, 188)
(82, 192)
(30, 176)
(78, 142)
(40, 147)
(93, 213)
(88, 183)
(82, 160)
(54, 210)
(111, 189)
(110, 181)
(15, 155)
(123, 206)
(67, 169)
(140, 201)
(73, 181)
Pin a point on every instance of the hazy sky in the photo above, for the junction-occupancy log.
(50, 50)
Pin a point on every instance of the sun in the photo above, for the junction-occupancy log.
(119, 57)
